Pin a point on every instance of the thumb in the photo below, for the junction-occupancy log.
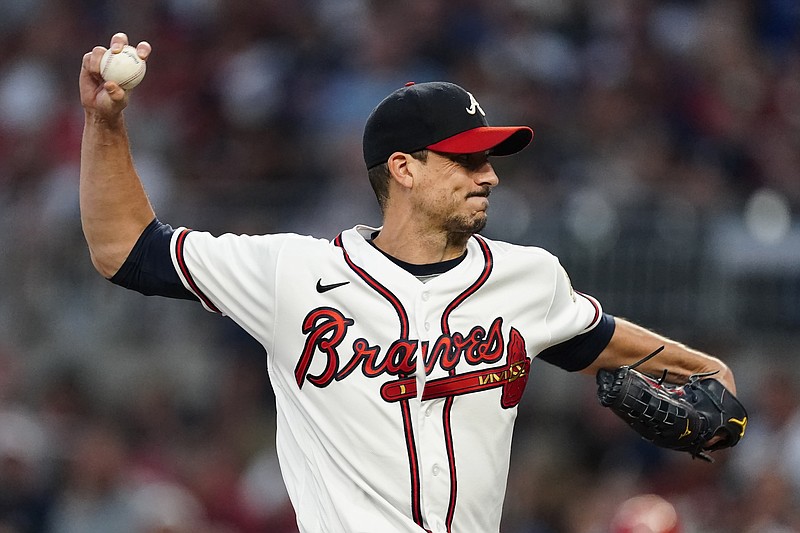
(115, 92)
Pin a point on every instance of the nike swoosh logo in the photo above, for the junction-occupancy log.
(325, 288)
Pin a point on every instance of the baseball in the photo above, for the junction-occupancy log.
(125, 68)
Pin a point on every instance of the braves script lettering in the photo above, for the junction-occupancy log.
(325, 329)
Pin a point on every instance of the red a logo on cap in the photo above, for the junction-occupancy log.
(474, 105)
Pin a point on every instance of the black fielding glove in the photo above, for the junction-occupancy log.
(680, 418)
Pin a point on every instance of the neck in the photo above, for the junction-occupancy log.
(420, 247)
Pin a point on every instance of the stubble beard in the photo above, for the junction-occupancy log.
(460, 228)
(464, 224)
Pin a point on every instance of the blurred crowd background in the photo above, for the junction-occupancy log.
(664, 173)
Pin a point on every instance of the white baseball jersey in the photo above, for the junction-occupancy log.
(396, 398)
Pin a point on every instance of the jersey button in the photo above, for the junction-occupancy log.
(425, 296)
(435, 470)
(429, 410)
(427, 326)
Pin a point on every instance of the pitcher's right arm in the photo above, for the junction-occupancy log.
(114, 206)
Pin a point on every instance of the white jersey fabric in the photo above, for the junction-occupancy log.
(396, 399)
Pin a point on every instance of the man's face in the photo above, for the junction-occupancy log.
(453, 189)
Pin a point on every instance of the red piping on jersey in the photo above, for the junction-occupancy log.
(448, 406)
(413, 464)
(380, 289)
(408, 428)
(596, 308)
(451, 459)
(487, 269)
(179, 247)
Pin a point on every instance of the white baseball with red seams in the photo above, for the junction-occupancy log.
(396, 399)
(125, 67)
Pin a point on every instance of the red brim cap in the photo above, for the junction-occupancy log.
(498, 140)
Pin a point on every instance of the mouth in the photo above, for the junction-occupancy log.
(481, 202)
(483, 193)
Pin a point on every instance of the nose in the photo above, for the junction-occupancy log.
(485, 175)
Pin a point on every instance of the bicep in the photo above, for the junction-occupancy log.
(580, 351)
(148, 268)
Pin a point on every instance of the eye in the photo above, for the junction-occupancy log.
(470, 161)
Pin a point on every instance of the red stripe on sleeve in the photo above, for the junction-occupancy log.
(180, 244)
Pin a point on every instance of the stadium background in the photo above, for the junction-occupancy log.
(664, 173)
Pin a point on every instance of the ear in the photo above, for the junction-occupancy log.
(401, 169)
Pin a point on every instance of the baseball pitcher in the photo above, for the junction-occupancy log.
(398, 354)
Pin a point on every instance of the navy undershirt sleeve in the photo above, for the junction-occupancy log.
(149, 269)
(580, 351)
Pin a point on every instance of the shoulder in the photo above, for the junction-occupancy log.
(269, 240)
(203, 247)
(505, 250)
(527, 264)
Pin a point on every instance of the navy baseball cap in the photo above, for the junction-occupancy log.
(439, 116)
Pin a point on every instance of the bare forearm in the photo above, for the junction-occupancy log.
(631, 343)
(114, 206)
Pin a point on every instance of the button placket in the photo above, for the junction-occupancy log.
(432, 456)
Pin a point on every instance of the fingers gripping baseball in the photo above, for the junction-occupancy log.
(105, 97)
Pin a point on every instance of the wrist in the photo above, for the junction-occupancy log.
(99, 120)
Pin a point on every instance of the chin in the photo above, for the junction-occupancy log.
(479, 224)
(469, 225)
